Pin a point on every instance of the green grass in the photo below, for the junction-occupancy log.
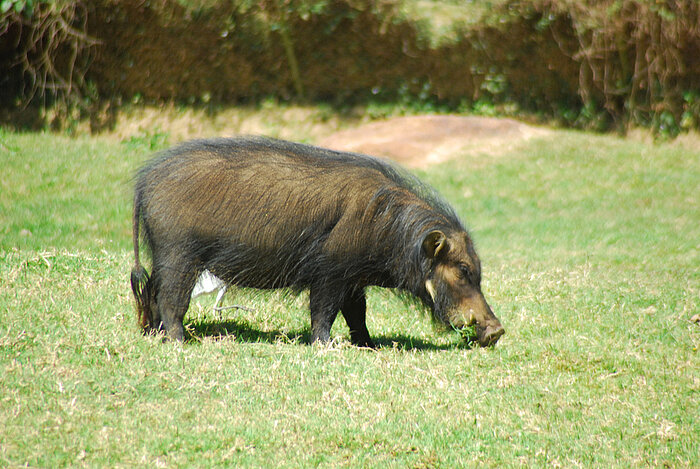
(589, 246)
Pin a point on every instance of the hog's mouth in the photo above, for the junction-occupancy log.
(483, 336)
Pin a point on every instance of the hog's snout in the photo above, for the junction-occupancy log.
(490, 335)
(487, 329)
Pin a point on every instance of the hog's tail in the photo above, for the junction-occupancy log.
(141, 284)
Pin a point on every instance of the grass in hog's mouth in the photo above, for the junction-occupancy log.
(468, 335)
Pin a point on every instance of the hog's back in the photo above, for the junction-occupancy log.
(260, 196)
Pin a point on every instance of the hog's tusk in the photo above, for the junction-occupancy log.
(431, 289)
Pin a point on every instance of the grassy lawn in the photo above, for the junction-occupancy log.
(589, 246)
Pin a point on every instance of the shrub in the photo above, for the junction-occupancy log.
(45, 50)
(586, 63)
(637, 58)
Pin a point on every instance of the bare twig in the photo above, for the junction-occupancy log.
(244, 308)
(52, 48)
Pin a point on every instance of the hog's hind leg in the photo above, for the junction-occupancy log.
(176, 283)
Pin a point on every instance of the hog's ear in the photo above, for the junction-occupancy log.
(433, 243)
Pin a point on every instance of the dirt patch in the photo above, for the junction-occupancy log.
(414, 141)
(419, 141)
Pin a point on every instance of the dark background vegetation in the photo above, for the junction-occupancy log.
(597, 64)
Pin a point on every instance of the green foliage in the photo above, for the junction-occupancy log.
(18, 6)
(591, 64)
(469, 335)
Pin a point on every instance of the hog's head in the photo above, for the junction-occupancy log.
(453, 285)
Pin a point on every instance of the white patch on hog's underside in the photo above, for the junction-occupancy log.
(209, 283)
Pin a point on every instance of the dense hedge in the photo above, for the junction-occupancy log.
(601, 63)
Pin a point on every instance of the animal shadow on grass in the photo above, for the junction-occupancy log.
(244, 332)
(407, 342)
(241, 331)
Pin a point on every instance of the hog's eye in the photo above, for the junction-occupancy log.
(469, 275)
